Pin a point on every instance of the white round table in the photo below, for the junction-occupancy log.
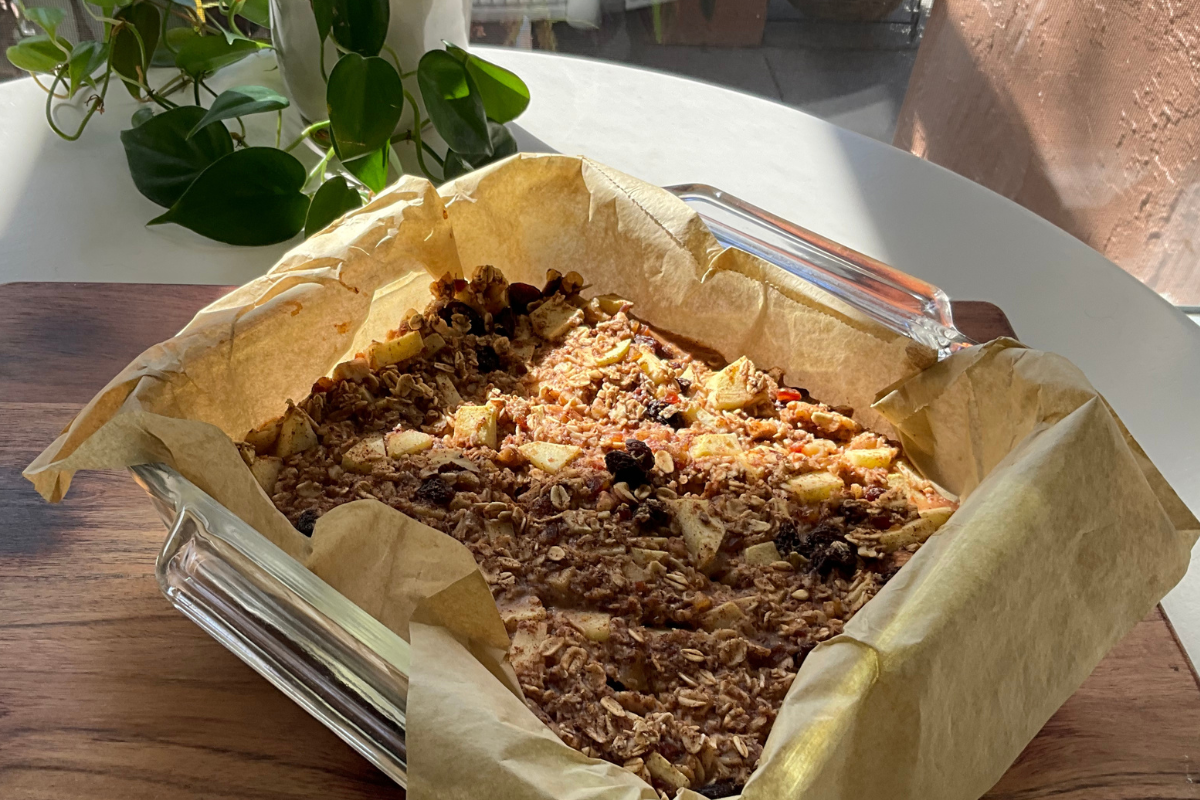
(70, 212)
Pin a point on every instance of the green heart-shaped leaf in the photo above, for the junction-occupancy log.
(365, 98)
(48, 19)
(86, 58)
(453, 102)
(503, 146)
(323, 12)
(504, 95)
(241, 101)
(203, 55)
(335, 198)
(359, 26)
(164, 161)
(36, 54)
(142, 115)
(250, 197)
(127, 57)
(371, 169)
(256, 11)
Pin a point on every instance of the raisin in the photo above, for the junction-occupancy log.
(652, 513)
(625, 467)
(685, 385)
(520, 295)
(554, 281)
(873, 493)
(505, 323)
(487, 359)
(649, 343)
(667, 414)
(457, 307)
(435, 492)
(837, 555)
(614, 684)
(787, 540)
(845, 411)
(720, 789)
(306, 521)
(642, 452)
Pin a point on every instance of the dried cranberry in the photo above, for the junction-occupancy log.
(720, 789)
(457, 307)
(786, 394)
(642, 452)
(306, 521)
(625, 467)
(520, 295)
(487, 359)
(435, 492)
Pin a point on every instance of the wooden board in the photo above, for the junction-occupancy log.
(108, 692)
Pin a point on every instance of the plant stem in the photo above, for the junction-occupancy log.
(278, 128)
(416, 135)
(395, 59)
(441, 162)
(42, 86)
(304, 134)
(321, 61)
(319, 169)
(97, 102)
(196, 90)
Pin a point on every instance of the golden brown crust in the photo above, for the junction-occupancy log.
(666, 542)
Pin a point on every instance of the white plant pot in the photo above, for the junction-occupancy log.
(414, 27)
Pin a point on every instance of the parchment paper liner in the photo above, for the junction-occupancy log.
(1066, 537)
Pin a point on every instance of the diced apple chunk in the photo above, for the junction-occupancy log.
(914, 532)
(936, 516)
(653, 366)
(526, 642)
(393, 351)
(643, 556)
(356, 369)
(761, 554)
(555, 318)
(735, 387)
(813, 487)
(593, 624)
(615, 354)
(266, 471)
(295, 434)
(527, 609)
(363, 457)
(610, 303)
(475, 426)
(405, 443)
(665, 772)
(715, 444)
(432, 343)
(726, 615)
(549, 457)
(702, 532)
(447, 391)
(264, 438)
(872, 458)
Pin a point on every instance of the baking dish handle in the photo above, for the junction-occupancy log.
(318, 648)
(899, 301)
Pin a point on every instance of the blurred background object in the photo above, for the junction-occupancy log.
(1086, 113)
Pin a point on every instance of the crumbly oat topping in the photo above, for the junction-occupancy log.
(666, 540)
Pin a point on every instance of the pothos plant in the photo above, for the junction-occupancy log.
(185, 157)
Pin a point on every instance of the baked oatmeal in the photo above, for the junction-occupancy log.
(666, 537)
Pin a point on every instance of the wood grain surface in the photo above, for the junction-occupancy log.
(107, 692)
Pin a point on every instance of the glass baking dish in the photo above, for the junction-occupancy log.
(339, 663)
